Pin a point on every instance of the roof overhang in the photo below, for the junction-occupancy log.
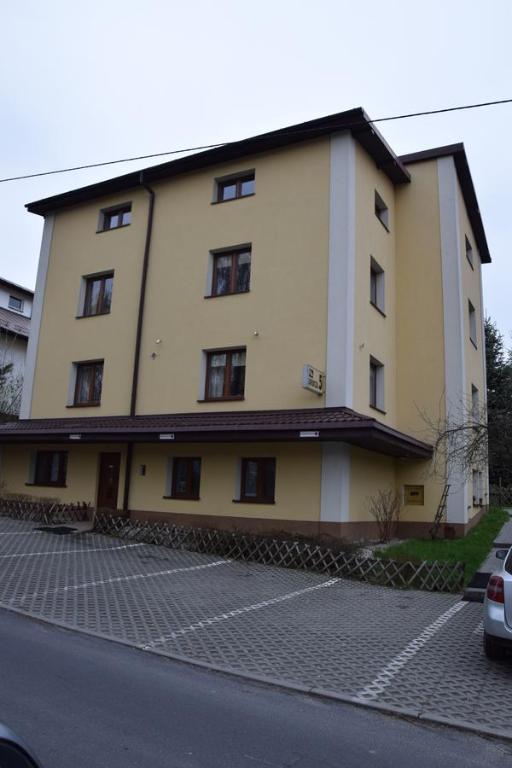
(305, 426)
(458, 152)
(354, 120)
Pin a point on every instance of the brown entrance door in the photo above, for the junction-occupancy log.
(108, 484)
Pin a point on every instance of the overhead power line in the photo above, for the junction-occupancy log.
(301, 131)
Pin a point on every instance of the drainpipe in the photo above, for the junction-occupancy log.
(142, 297)
(138, 337)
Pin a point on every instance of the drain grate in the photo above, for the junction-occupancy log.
(59, 530)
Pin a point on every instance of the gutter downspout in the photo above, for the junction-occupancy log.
(138, 337)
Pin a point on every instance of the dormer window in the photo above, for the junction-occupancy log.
(113, 218)
(233, 187)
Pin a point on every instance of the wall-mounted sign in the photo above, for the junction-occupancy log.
(309, 433)
(167, 436)
(75, 437)
(313, 379)
(414, 495)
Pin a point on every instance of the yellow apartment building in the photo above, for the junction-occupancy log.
(247, 337)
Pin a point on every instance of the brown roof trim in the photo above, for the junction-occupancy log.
(355, 120)
(331, 424)
(458, 152)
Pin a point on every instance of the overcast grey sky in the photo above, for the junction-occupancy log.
(93, 81)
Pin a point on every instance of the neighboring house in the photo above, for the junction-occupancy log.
(176, 308)
(15, 314)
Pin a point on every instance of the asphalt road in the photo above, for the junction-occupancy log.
(83, 702)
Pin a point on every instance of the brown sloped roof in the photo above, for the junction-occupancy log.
(355, 120)
(14, 323)
(331, 424)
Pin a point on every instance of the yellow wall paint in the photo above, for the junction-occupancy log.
(294, 500)
(82, 471)
(77, 250)
(287, 223)
(369, 473)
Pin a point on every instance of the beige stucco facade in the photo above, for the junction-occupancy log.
(299, 240)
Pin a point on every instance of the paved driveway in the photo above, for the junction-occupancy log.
(413, 652)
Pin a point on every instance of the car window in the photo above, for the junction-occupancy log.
(508, 563)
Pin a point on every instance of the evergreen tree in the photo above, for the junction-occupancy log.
(499, 405)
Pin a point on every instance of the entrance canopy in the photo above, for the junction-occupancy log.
(303, 425)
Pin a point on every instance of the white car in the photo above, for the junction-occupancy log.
(498, 609)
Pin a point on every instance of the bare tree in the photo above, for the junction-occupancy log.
(384, 507)
(11, 380)
(459, 440)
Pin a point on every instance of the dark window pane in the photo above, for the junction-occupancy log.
(247, 187)
(180, 470)
(228, 191)
(251, 479)
(223, 266)
(196, 475)
(50, 468)
(93, 295)
(98, 379)
(373, 385)
(269, 479)
(84, 373)
(373, 287)
(107, 295)
(236, 385)
(244, 272)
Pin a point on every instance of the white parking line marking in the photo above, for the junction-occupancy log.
(384, 679)
(479, 629)
(236, 612)
(68, 551)
(116, 579)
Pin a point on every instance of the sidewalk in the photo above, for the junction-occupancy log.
(475, 591)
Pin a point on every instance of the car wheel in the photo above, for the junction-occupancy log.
(492, 650)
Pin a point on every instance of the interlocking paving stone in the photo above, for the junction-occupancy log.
(293, 626)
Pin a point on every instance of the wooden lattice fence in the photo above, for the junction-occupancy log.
(46, 512)
(434, 576)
